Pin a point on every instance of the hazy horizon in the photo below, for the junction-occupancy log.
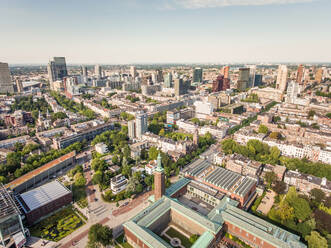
(165, 31)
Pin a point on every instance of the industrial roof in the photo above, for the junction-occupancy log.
(44, 194)
(39, 170)
(223, 178)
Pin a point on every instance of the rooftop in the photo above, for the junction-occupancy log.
(39, 170)
(44, 194)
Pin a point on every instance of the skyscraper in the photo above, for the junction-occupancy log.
(319, 75)
(218, 83)
(6, 85)
(168, 80)
(131, 129)
(243, 81)
(84, 70)
(281, 78)
(197, 75)
(57, 69)
(225, 71)
(141, 124)
(180, 87)
(300, 74)
(293, 89)
(252, 72)
(98, 71)
(133, 71)
(159, 76)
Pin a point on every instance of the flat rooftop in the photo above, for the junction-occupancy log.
(43, 195)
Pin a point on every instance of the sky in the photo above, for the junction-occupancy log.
(165, 31)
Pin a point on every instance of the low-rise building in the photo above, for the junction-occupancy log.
(101, 148)
(305, 183)
(118, 184)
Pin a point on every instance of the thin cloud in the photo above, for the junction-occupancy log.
(199, 4)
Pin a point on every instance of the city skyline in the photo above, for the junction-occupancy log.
(177, 31)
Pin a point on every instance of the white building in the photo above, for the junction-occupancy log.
(150, 167)
(204, 108)
(281, 78)
(118, 184)
(101, 148)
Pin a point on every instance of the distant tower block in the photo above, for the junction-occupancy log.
(196, 137)
(159, 180)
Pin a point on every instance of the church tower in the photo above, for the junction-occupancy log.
(159, 180)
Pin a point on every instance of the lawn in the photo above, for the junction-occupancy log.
(58, 225)
(175, 234)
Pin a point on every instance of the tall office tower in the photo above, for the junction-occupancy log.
(133, 71)
(225, 71)
(98, 71)
(258, 80)
(252, 72)
(141, 124)
(159, 76)
(6, 85)
(218, 83)
(57, 69)
(19, 85)
(180, 88)
(300, 74)
(197, 75)
(293, 89)
(281, 78)
(131, 129)
(168, 80)
(319, 75)
(84, 70)
(243, 81)
(159, 179)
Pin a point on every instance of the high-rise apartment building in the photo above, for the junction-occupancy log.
(133, 71)
(293, 89)
(159, 76)
(168, 80)
(319, 75)
(218, 83)
(141, 124)
(281, 78)
(243, 81)
(57, 69)
(180, 87)
(6, 86)
(132, 129)
(300, 74)
(98, 71)
(197, 75)
(225, 71)
(84, 70)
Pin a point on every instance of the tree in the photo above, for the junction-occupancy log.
(270, 177)
(279, 187)
(97, 177)
(99, 235)
(285, 211)
(317, 195)
(153, 153)
(263, 129)
(323, 221)
(311, 113)
(80, 180)
(194, 238)
(301, 208)
(315, 240)
(275, 135)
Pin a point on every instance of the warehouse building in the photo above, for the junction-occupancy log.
(44, 200)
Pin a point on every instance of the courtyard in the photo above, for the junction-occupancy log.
(176, 237)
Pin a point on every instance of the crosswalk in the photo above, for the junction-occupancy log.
(99, 210)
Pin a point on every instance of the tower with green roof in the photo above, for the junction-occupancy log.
(159, 179)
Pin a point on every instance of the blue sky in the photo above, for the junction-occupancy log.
(160, 31)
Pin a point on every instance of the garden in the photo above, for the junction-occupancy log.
(58, 225)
